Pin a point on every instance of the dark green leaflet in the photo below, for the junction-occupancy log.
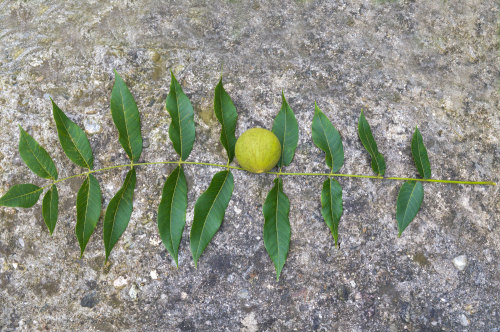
(126, 118)
(181, 130)
(73, 139)
(366, 137)
(88, 210)
(118, 213)
(35, 156)
(410, 198)
(277, 226)
(420, 157)
(21, 195)
(50, 208)
(209, 212)
(286, 128)
(172, 211)
(332, 206)
(227, 116)
(328, 139)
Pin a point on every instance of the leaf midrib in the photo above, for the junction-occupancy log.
(171, 209)
(34, 155)
(326, 139)
(276, 224)
(208, 213)
(30, 193)
(409, 200)
(419, 157)
(373, 152)
(121, 194)
(71, 138)
(125, 123)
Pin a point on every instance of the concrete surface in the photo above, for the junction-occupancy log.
(428, 63)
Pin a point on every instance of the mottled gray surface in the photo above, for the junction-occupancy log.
(426, 63)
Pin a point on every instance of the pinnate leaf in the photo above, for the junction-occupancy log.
(328, 139)
(227, 116)
(410, 198)
(35, 156)
(286, 128)
(420, 156)
(366, 137)
(277, 229)
(21, 195)
(118, 212)
(73, 139)
(332, 206)
(209, 212)
(172, 211)
(50, 208)
(181, 130)
(88, 210)
(126, 118)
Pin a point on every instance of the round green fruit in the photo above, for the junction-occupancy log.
(258, 150)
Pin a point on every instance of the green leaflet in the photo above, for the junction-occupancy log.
(88, 210)
(172, 211)
(328, 139)
(73, 139)
(277, 226)
(35, 157)
(181, 130)
(419, 153)
(227, 116)
(366, 137)
(50, 208)
(410, 198)
(21, 195)
(331, 206)
(286, 128)
(209, 212)
(126, 118)
(118, 213)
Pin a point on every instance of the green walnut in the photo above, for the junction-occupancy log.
(258, 150)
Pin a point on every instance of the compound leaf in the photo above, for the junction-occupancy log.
(35, 156)
(50, 208)
(181, 130)
(366, 137)
(227, 116)
(209, 212)
(332, 206)
(126, 118)
(21, 195)
(410, 198)
(420, 156)
(73, 139)
(276, 225)
(118, 213)
(286, 128)
(172, 211)
(88, 210)
(328, 139)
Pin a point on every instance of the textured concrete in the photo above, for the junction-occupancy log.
(426, 63)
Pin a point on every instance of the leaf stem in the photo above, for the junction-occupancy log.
(486, 183)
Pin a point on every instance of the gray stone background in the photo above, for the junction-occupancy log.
(428, 63)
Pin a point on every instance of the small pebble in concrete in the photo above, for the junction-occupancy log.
(464, 321)
(460, 262)
(133, 292)
(154, 275)
(91, 126)
(120, 282)
(89, 300)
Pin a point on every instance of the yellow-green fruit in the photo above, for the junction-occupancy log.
(258, 150)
